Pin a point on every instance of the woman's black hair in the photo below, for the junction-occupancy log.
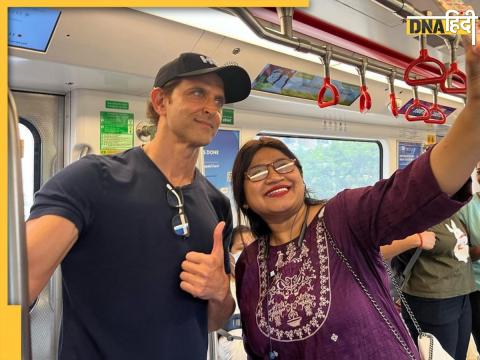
(242, 162)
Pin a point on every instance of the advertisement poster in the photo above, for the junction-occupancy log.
(279, 80)
(447, 110)
(407, 152)
(218, 159)
(218, 163)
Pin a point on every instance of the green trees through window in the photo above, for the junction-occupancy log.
(331, 165)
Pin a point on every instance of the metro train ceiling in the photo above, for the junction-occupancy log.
(422, 5)
(92, 49)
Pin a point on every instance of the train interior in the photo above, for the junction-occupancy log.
(100, 64)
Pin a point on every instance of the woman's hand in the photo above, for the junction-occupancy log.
(426, 240)
(472, 65)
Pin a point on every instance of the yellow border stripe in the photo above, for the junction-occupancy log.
(10, 321)
(161, 3)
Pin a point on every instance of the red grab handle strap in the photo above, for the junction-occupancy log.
(336, 96)
(422, 59)
(417, 105)
(455, 72)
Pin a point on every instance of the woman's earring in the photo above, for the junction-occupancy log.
(245, 206)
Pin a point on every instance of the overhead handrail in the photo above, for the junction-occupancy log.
(436, 111)
(401, 8)
(17, 254)
(365, 98)
(393, 98)
(422, 59)
(327, 85)
(415, 108)
(285, 14)
(306, 46)
(453, 72)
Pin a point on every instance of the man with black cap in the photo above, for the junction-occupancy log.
(141, 235)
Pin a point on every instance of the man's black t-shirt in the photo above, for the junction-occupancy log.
(121, 293)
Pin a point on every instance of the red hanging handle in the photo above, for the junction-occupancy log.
(434, 109)
(417, 105)
(393, 105)
(425, 58)
(336, 96)
(454, 71)
(365, 99)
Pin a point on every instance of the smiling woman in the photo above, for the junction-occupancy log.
(295, 289)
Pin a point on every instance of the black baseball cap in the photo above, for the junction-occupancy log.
(236, 82)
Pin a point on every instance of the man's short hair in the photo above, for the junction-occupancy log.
(168, 88)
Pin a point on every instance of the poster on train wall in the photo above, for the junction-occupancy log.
(407, 152)
(279, 80)
(116, 132)
(218, 160)
(447, 110)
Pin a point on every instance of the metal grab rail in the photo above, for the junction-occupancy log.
(306, 46)
(17, 255)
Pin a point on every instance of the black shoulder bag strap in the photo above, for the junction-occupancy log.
(412, 261)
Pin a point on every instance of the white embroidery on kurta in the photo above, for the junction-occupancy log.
(298, 295)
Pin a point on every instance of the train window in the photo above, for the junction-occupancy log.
(331, 165)
(30, 143)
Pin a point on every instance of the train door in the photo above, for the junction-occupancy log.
(41, 133)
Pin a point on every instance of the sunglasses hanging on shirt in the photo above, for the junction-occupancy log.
(179, 221)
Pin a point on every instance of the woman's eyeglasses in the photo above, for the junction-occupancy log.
(179, 221)
(260, 172)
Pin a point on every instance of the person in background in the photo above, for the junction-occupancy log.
(229, 342)
(142, 235)
(405, 248)
(438, 286)
(241, 238)
(470, 216)
(313, 284)
(424, 240)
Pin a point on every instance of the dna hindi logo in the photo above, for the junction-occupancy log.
(452, 23)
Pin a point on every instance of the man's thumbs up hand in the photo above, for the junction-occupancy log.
(203, 275)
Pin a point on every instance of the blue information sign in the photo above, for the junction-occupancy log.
(218, 159)
(407, 152)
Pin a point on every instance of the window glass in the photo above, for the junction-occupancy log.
(331, 165)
